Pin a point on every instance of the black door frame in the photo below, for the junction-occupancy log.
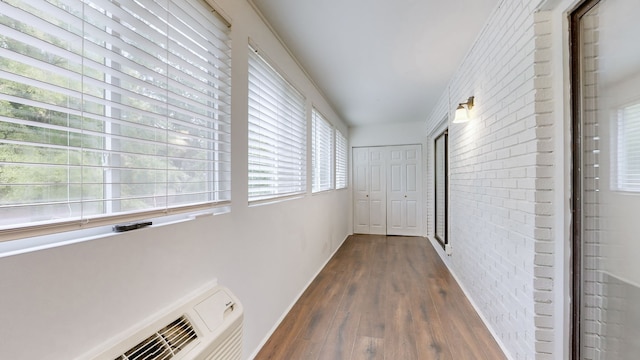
(445, 241)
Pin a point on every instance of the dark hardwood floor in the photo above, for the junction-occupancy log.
(382, 297)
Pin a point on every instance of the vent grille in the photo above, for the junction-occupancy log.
(230, 348)
(164, 344)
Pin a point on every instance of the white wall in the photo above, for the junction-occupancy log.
(501, 179)
(403, 133)
(62, 302)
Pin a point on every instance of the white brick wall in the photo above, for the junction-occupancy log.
(501, 185)
(544, 247)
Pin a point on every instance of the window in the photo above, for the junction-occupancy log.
(322, 153)
(628, 152)
(341, 160)
(111, 111)
(277, 133)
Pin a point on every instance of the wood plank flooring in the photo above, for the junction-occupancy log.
(382, 297)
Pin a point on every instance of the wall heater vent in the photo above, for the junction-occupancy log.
(204, 326)
(164, 344)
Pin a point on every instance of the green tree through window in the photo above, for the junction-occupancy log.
(107, 109)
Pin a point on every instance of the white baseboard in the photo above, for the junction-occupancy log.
(444, 257)
(286, 312)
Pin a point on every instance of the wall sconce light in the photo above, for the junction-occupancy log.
(462, 112)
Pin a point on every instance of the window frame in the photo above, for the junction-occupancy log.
(322, 154)
(277, 133)
(210, 71)
(341, 161)
(627, 133)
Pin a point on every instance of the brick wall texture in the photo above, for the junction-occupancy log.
(501, 178)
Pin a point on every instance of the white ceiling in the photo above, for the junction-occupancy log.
(379, 61)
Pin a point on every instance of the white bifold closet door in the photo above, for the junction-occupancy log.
(370, 194)
(387, 190)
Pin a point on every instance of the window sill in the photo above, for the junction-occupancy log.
(44, 242)
(275, 200)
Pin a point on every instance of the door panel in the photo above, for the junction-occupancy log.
(378, 222)
(387, 190)
(361, 199)
(376, 155)
(412, 214)
(412, 177)
(396, 178)
(395, 220)
(362, 216)
(361, 177)
(377, 182)
(378, 192)
(413, 154)
(606, 188)
(369, 191)
(403, 213)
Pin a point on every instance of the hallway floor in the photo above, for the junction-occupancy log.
(383, 297)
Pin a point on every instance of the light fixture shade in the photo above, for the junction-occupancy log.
(461, 115)
(462, 111)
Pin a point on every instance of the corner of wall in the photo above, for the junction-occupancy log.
(544, 266)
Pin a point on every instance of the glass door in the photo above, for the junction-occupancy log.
(606, 179)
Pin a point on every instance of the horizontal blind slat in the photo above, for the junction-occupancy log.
(138, 126)
(277, 134)
(341, 161)
(322, 156)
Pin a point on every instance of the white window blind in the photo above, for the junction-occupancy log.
(277, 133)
(111, 110)
(628, 152)
(322, 152)
(341, 160)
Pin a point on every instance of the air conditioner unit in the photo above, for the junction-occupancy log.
(207, 326)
